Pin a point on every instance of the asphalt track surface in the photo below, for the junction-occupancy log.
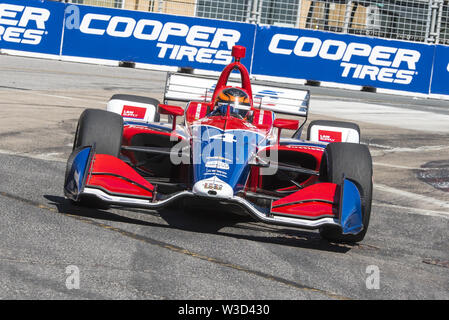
(209, 254)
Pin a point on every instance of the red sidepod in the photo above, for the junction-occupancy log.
(313, 202)
(255, 180)
(115, 177)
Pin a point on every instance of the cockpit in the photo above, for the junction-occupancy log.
(235, 100)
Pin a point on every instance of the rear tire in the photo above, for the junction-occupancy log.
(355, 162)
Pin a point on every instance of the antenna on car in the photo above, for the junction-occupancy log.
(238, 52)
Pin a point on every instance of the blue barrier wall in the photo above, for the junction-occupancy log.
(32, 26)
(156, 38)
(342, 58)
(440, 77)
(168, 40)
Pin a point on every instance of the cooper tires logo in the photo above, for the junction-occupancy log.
(385, 64)
(202, 42)
(20, 24)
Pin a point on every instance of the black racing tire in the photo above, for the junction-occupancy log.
(329, 123)
(102, 128)
(140, 99)
(355, 162)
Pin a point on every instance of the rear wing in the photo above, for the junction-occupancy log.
(266, 96)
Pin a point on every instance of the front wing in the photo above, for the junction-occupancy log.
(113, 181)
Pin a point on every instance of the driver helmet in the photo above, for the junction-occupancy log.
(237, 100)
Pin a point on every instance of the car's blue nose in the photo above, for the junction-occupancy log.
(221, 159)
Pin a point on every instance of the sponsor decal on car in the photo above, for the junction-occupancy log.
(217, 164)
(134, 112)
(213, 186)
(219, 158)
(225, 137)
(329, 136)
(305, 147)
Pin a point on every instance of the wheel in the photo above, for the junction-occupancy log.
(140, 99)
(354, 161)
(102, 128)
(105, 130)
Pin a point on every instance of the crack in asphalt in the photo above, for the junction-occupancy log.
(177, 249)
(14, 88)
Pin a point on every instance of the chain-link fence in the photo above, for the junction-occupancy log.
(412, 20)
(101, 3)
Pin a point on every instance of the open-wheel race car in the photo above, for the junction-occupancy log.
(228, 150)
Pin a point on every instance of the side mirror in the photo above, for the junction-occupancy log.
(173, 111)
(287, 124)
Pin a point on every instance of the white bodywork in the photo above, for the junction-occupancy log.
(218, 187)
(321, 133)
(133, 111)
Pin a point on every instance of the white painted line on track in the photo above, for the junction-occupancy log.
(399, 166)
(414, 196)
(32, 92)
(52, 156)
(388, 149)
(422, 212)
(65, 97)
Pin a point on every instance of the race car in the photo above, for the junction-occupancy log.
(227, 150)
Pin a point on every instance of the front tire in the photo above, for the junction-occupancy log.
(354, 162)
(102, 128)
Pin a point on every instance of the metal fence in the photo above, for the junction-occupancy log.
(413, 20)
